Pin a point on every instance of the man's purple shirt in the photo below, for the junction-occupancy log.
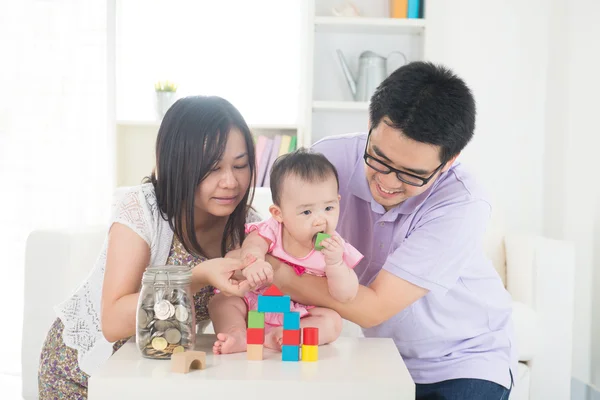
(462, 327)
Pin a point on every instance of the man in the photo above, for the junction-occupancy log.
(419, 218)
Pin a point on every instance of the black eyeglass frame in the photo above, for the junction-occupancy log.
(399, 173)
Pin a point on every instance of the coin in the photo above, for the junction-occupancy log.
(143, 338)
(159, 343)
(173, 336)
(181, 313)
(162, 310)
(178, 349)
(163, 325)
(142, 318)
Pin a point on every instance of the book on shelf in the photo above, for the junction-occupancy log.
(407, 8)
(267, 151)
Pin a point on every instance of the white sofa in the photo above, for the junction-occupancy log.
(538, 272)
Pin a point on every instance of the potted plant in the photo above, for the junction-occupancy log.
(165, 96)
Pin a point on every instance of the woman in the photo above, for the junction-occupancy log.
(190, 211)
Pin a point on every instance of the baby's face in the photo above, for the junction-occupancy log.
(309, 208)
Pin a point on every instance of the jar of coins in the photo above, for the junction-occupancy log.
(166, 320)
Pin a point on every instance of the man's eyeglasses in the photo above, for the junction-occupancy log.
(402, 176)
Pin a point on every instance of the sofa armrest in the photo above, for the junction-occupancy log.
(56, 263)
(540, 273)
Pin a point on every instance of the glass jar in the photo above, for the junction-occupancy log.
(166, 319)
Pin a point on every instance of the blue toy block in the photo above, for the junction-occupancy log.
(274, 304)
(291, 321)
(290, 353)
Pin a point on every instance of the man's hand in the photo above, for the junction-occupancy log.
(259, 273)
(333, 250)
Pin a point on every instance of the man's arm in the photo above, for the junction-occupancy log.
(384, 298)
(432, 258)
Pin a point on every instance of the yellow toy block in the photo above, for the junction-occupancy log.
(254, 352)
(310, 353)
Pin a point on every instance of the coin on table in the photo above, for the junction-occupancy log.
(178, 349)
(162, 309)
(159, 343)
(172, 335)
(181, 313)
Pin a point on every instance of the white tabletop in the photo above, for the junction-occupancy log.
(350, 368)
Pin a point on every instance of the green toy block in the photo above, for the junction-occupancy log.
(320, 237)
(256, 319)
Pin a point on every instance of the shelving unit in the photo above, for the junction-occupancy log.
(325, 104)
(328, 107)
(369, 25)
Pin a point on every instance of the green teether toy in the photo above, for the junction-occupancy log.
(320, 237)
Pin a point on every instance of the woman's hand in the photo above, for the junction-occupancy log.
(218, 272)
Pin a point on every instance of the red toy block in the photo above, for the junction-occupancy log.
(291, 337)
(255, 336)
(272, 291)
(310, 336)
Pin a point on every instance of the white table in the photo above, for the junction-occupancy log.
(350, 368)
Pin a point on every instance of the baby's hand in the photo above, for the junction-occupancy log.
(258, 273)
(333, 250)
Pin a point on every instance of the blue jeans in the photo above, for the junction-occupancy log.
(462, 389)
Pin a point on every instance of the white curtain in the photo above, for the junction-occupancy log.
(55, 161)
(245, 51)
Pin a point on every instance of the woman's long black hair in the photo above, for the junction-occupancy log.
(191, 141)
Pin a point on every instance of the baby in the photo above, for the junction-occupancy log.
(304, 188)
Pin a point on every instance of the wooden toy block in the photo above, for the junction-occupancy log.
(291, 337)
(181, 363)
(291, 320)
(255, 336)
(256, 319)
(320, 237)
(272, 291)
(290, 353)
(254, 352)
(310, 336)
(310, 353)
(274, 304)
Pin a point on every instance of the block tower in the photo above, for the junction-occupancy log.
(273, 301)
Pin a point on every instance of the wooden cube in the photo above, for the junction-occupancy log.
(254, 352)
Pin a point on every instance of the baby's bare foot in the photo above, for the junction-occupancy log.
(274, 338)
(232, 342)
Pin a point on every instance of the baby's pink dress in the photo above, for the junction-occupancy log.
(313, 263)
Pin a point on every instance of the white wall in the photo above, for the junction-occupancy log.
(500, 49)
(573, 142)
(534, 67)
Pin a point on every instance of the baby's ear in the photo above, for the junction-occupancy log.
(339, 197)
(276, 213)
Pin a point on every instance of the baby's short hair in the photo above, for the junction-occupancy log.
(305, 164)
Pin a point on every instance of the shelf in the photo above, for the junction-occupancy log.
(260, 127)
(341, 105)
(369, 25)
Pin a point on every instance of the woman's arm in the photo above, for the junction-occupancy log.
(384, 298)
(128, 256)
